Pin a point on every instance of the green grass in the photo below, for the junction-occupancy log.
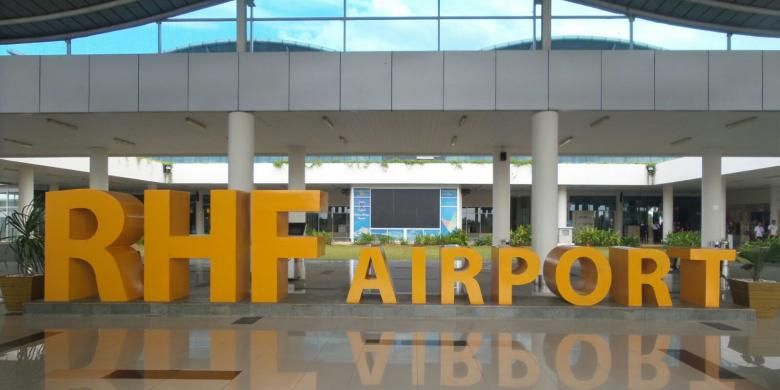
(392, 251)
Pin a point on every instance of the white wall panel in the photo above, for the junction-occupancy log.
(19, 88)
(264, 81)
(521, 80)
(314, 81)
(681, 81)
(735, 80)
(628, 80)
(113, 83)
(64, 84)
(771, 67)
(418, 81)
(163, 82)
(365, 81)
(575, 80)
(470, 80)
(213, 82)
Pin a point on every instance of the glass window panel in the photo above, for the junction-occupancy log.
(486, 7)
(391, 35)
(398, 8)
(321, 35)
(136, 40)
(601, 28)
(224, 10)
(481, 34)
(670, 37)
(178, 35)
(298, 8)
(34, 49)
(746, 42)
(565, 8)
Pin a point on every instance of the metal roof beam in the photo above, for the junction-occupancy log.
(65, 14)
(738, 7)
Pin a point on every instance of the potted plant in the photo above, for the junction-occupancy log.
(759, 294)
(26, 241)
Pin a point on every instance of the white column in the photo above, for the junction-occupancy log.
(241, 26)
(544, 188)
(711, 197)
(241, 151)
(563, 206)
(668, 210)
(296, 176)
(502, 197)
(98, 169)
(54, 187)
(619, 215)
(546, 24)
(200, 214)
(725, 203)
(774, 203)
(26, 186)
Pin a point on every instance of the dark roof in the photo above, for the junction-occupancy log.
(751, 17)
(47, 20)
(230, 47)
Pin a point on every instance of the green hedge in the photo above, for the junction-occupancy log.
(521, 236)
(590, 236)
(686, 239)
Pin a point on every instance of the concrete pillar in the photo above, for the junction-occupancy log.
(26, 186)
(667, 210)
(774, 203)
(240, 26)
(563, 206)
(546, 24)
(619, 215)
(711, 197)
(296, 176)
(98, 169)
(241, 151)
(200, 214)
(544, 188)
(723, 210)
(502, 197)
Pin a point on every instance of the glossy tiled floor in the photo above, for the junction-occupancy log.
(70, 352)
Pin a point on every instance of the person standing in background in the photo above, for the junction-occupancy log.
(758, 231)
(772, 229)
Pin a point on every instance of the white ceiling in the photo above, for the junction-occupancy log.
(384, 132)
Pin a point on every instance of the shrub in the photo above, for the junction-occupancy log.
(687, 239)
(757, 254)
(364, 239)
(457, 237)
(630, 241)
(383, 239)
(486, 240)
(590, 236)
(327, 236)
(521, 236)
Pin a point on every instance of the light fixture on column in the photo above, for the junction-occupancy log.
(343, 139)
(599, 121)
(565, 141)
(462, 120)
(453, 140)
(69, 126)
(740, 122)
(328, 122)
(680, 141)
(18, 142)
(124, 141)
(195, 123)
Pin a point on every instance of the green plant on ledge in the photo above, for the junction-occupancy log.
(280, 163)
(755, 255)
(521, 236)
(683, 239)
(591, 236)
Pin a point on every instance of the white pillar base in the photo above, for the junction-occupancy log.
(241, 151)
(544, 188)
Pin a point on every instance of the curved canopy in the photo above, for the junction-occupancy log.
(751, 17)
(46, 20)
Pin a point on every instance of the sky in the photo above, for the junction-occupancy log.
(398, 35)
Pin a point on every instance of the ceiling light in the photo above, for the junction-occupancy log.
(565, 141)
(328, 122)
(123, 141)
(462, 120)
(453, 140)
(17, 142)
(67, 125)
(425, 157)
(599, 121)
(680, 141)
(195, 122)
(740, 122)
(343, 139)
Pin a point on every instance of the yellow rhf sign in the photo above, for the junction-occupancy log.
(89, 234)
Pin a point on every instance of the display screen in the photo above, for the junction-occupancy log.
(404, 208)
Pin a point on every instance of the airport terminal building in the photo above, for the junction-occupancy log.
(402, 119)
